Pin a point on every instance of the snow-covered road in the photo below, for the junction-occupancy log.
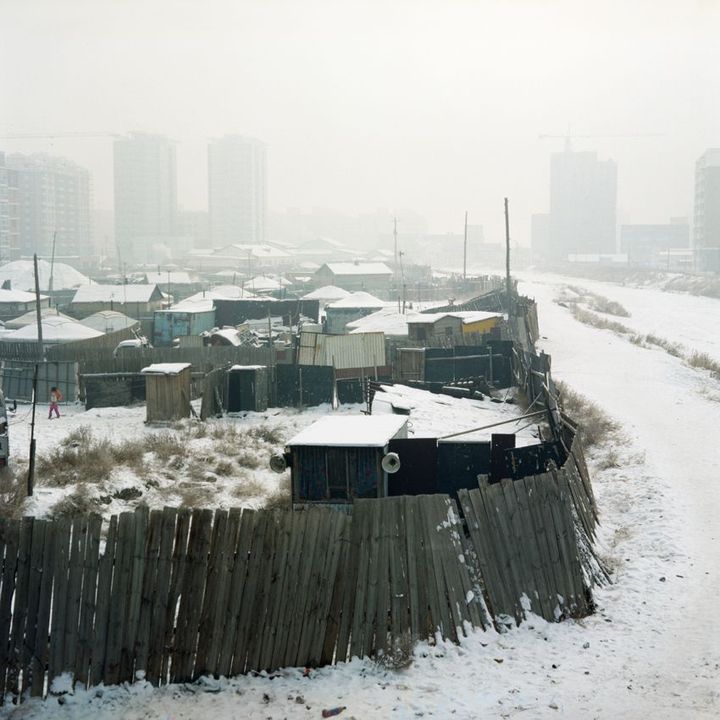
(672, 642)
(652, 649)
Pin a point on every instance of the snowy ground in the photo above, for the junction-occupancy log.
(652, 649)
(222, 463)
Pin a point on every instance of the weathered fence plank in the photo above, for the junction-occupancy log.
(248, 522)
(160, 601)
(88, 600)
(40, 647)
(102, 610)
(33, 598)
(60, 587)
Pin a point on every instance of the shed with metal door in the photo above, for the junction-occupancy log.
(167, 391)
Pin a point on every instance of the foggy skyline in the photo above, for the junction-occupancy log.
(430, 106)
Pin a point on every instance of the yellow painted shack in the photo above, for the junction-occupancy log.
(457, 325)
(167, 392)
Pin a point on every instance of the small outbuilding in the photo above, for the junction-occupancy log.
(247, 388)
(457, 325)
(167, 391)
(339, 458)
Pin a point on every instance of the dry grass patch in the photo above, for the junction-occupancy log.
(195, 495)
(703, 361)
(13, 489)
(81, 458)
(588, 317)
(165, 445)
(281, 499)
(247, 459)
(79, 502)
(668, 346)
(247, 488)
(595, 426)
(224, 468)
(270, 435)
(608, 307)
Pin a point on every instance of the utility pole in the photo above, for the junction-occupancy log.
(52, 266)
(465, 250)
(38, 312)
(395, 265)
(31, 459)
(507, 259)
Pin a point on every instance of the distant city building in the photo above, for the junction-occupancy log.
(706, 232)
(237, 190)
(195, 225)
(145, 170)
(644, 244)
(53, 196)
(9, 213)
(583, 200)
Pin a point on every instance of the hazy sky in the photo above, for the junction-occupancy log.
(435, 106)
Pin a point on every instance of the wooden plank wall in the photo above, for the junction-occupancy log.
(527, 545)
(182, 593)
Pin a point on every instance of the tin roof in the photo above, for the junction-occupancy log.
(351, 431)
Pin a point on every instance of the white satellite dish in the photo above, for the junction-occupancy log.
(391, 463)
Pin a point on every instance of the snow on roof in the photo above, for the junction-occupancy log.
(109, 321)
(22, 275)
(358, 299)
(467, 316)
(387, 320)
(228, 333)
(30, 317)
(258, 251)
(222, 292)
(248, 367)
(165, 368)
(351, 431)
(175, 277)
(55, 329)
(192, 305)
(263, 282)
(327, 292)
(18, 296)
(358, 268)
(116, 293)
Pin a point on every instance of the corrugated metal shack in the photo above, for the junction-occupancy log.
(360, 354)
(180, 322)
(338, 459)
(167, 391)
(247, 388)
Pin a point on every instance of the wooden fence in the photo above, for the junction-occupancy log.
(180, 593)
(525, 538)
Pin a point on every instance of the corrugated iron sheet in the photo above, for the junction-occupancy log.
(361, 350)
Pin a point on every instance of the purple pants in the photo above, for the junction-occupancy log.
(53, 406)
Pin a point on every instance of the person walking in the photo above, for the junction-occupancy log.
(55, 398)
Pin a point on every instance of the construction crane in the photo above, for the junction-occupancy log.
(569, 136)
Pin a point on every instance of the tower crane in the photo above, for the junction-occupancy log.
(569, 136)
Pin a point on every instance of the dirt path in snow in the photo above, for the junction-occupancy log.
(673, 652)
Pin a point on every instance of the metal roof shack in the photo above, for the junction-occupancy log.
(338, 459)
(167, 391)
